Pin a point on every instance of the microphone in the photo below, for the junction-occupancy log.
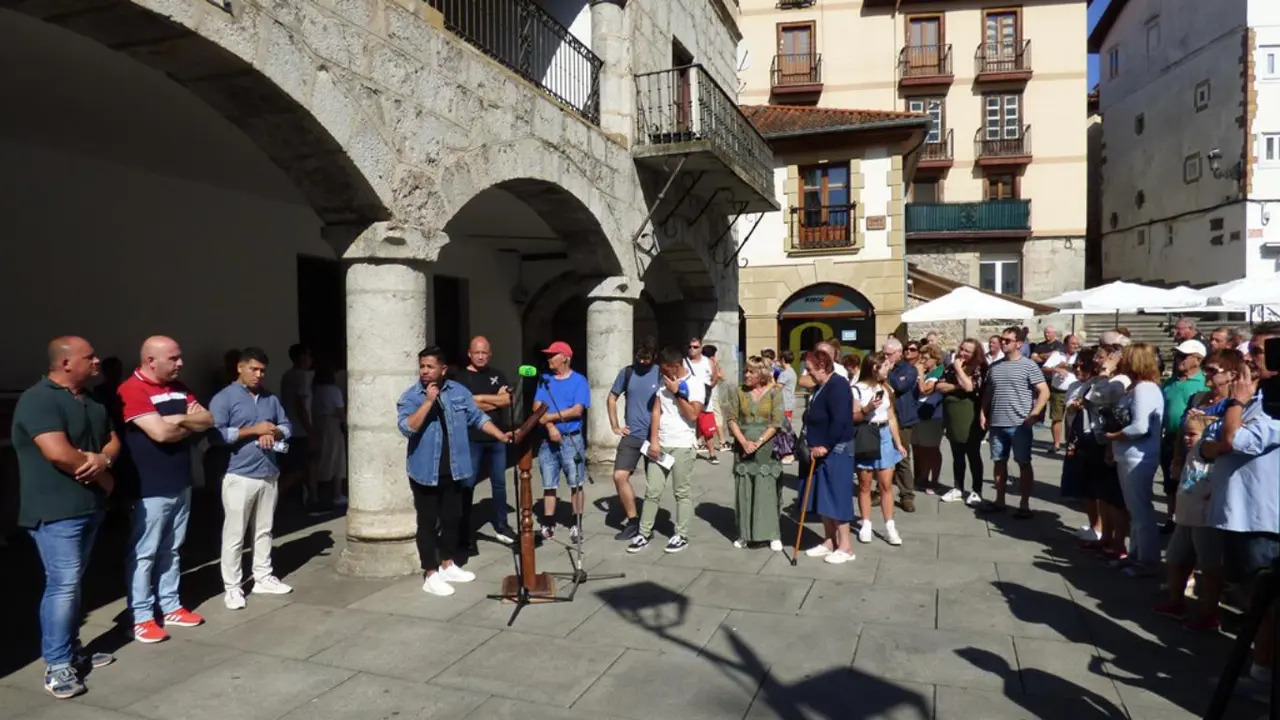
(527, 371)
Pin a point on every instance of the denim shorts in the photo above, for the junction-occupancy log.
(1004, 439)
(565, 457)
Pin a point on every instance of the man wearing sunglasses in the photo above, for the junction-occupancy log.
(1014, 396)
(904, 378)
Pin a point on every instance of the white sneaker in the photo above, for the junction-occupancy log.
(270, 585)
(818, 551)
(864, 532)
(739, 543)
(437, 585)
(775, 545)
(839, 557)
(952, 495)
(455, 574)
(1088, 534)
(891, 534)
(972, 499)
(233, 599)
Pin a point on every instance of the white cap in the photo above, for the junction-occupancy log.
(1191, 347)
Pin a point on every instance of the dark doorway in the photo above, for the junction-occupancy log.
(450, 298)
(322, 308)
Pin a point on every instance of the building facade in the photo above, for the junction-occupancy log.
(1190, 165)
(370, 177)
(984, 206)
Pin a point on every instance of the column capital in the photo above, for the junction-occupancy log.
(385, 240)
(614, 288)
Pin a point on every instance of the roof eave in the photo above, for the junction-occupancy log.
(894, 124)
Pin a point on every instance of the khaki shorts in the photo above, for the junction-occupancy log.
(1057, 405)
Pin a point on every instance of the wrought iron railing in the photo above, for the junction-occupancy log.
(923, 61)
(684, 105)
(988, 216)
(1003, 57)
(941, 149)
(796, 69)
(527, 40)
(819, 227)
(986, 145)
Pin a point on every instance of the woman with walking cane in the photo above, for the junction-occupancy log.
(829, 430)
(754, 416)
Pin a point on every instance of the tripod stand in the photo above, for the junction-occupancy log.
(1265, 594)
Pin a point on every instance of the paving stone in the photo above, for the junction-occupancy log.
(497, 708)
(296, 631)
(749, 592)
(1005, 609)
(912, 606)
(399, 647)
(368, 696)
(670, 577)
(1031, 577)
(958, 659)
(998, 549)
(966, 704)
(715, 553)
(406, 597)
(818, 692)
(1063, 669)
(257, 686)
(323, 586)
(218, 618)
(548, 671)
(644, 685)
(932, 573)
(661, 621)
(861, 569)
(143, 670)
(782, 640)
(915, 544)
(556, 619)
(15, 701)
(73, 710)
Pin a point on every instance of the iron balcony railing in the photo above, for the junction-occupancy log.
(821, 227)
(527, 40)
(998, 142)
(971, 217)
(924, 61)
(796, 69)
(685, 105)
(939, 150)
(997, 58)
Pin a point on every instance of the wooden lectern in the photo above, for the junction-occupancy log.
(527, 585)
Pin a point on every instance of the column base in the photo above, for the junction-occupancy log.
(391, 558)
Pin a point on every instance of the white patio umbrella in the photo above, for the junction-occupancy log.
(966, 303)
(1244, 292)
(1188, 300)
(1120, 296)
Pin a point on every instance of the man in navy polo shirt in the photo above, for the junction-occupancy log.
(639, 383)
(161, 416)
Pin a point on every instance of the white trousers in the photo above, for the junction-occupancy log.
(247, 503)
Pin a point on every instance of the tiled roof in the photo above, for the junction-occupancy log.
(790, 119)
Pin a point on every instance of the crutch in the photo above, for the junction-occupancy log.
(804, 506)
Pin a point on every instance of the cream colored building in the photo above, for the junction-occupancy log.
(998, 195)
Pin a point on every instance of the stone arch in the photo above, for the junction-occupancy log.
(823, 311)
(255, 71)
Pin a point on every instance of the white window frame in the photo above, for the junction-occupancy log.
(1269, 148)
(933, 107)
(1113, 62)
(1153, 31)
(1002, 118)
(1269, 62)
(1003, 263)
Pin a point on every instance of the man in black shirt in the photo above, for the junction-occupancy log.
(1051, 344)
(492, 394)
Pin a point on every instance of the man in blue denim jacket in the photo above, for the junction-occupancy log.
(434, 414)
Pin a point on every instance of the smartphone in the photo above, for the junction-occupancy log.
(880, 394)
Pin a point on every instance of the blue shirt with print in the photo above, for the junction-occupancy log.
(560, 394)
(1245, 493)
(458, 411)
(640, 392)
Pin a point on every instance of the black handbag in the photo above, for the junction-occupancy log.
(866, 442)
(803, 456)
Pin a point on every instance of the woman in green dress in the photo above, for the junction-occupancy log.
(754, 416)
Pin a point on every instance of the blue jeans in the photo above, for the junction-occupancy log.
(64, 547)
(159, 527)
(488, 459)
(566, 457)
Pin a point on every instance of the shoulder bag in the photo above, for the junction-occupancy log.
(866, 437)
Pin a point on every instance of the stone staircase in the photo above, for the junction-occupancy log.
(1154, 329)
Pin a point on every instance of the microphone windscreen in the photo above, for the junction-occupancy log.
(527, 371)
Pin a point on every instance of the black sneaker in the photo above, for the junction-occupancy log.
(63, 683)
(638, 543)
(676, 544)
(629, 530)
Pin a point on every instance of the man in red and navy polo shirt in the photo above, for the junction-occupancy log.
(161, 418)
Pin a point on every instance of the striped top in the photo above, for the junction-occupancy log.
(1013, 386)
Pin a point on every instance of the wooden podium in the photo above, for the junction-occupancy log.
(527, 585)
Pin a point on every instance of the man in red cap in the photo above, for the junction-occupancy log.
(566, 395)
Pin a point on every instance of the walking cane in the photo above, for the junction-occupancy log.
(804, 506)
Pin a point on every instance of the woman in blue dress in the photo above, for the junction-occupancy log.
(828, 425)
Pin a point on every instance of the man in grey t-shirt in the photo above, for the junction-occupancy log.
(639, 383)
(1014, 395)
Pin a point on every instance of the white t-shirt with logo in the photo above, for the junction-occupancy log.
(674, 432)
(1060, 382)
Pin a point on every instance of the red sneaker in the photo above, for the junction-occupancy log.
(1173, 610)
(149, 632)
(183, 617)
(1204, 623)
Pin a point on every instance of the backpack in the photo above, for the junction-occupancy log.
(627, 372)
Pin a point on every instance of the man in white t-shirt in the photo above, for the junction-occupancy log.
(673, 442)
(1059, 371)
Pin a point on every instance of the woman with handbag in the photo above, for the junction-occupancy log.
(878, 446)
(828, 431)
(755, 417)
(1136, 447)
(1100, 481)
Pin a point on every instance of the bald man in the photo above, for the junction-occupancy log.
(829, 348)
(492, 393)
(161, 418)
(66, 447)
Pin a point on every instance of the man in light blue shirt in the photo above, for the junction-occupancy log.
(566, 396)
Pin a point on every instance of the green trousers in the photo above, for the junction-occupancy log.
(680, 476)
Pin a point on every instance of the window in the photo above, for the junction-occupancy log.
(825, 194)
(796, 43)
(1113, 63)
(1003, 117)
(1270, 147)
(1215, 224)
(1269, 62)
(1001, 187)
(924, 44)
(1168, 234)
(1139, 199)
(1191, 168)
(1202, 95)
(1000, 273)
(1001, 36)
(1153, 36)
(926, 191)
(1139, 124)
(1142, 236)
(931, 106)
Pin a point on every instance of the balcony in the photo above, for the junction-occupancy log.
(528, 41)
(974, 220)
(797, 74)
(795, 4)
(1003, 62)
(925, 65)
(684, 111)
(825, 227)
(939, 154)
(1007, 149)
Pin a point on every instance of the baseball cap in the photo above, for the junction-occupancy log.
(559, 347)
(1191, 347)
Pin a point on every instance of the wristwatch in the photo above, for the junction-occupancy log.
(110, 461)
(1232, 402)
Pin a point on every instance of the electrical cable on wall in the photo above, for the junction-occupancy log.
(1189, 213)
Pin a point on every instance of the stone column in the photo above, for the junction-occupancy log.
(386, 288)
(610, 318)
(612, 43)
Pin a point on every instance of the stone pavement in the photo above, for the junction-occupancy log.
(970, 618)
